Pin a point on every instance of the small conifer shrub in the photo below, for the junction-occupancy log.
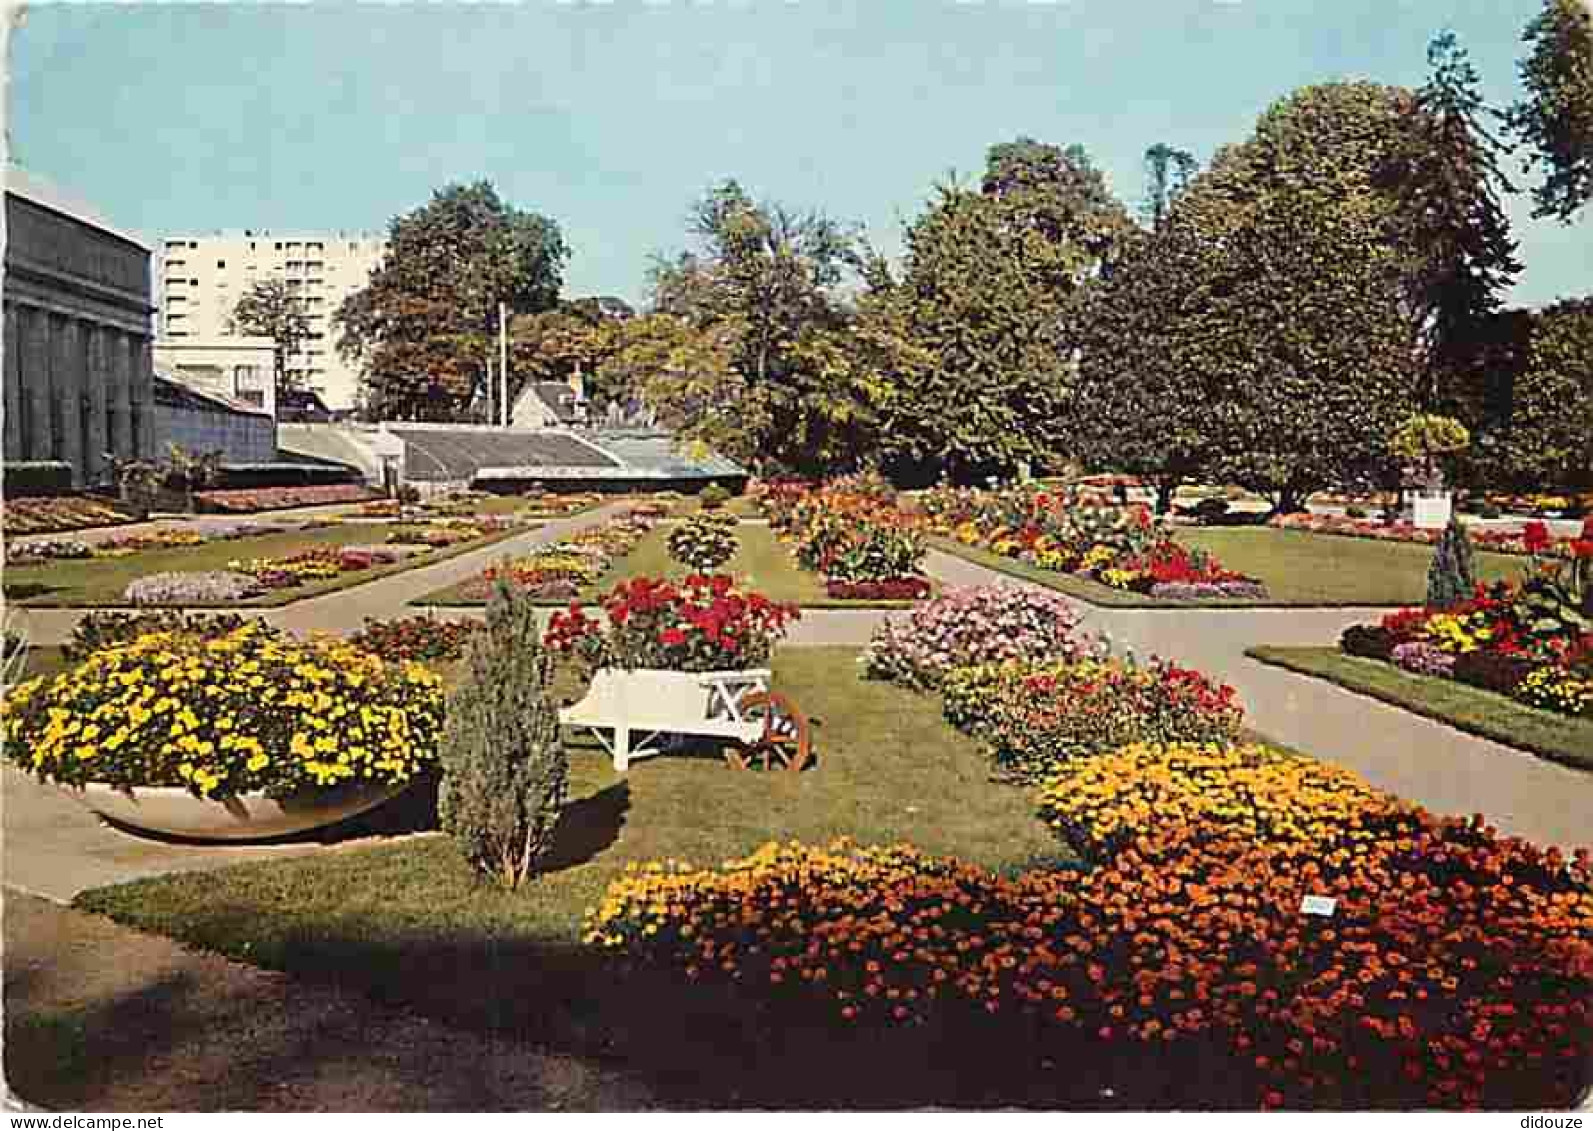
(505, 770)
(1452, 578)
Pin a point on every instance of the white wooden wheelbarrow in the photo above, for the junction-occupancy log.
(760, 726)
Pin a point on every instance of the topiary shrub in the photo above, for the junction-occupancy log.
(1452, 578)
(1368, 641)
(713, 497)
(505, 770)
(704, 542)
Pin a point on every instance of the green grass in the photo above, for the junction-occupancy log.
(407, 922)
(100, 582)
(766, 565)
(1302, 568)
(1299, 569)
(1560, 738)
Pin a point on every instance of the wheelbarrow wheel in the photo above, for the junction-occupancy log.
(787, 739)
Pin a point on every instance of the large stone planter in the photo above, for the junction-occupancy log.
(169, 811)
(1431, 510)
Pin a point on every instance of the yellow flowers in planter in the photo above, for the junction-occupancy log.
(252, 710)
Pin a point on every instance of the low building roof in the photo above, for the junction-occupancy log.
(174, 392)
(442, 454)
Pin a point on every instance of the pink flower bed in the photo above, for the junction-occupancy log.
(239, 501)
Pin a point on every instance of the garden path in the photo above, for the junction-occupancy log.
(344, 611)
(1434, 765)
(57, 849)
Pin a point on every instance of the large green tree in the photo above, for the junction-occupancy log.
(762, 284)
(1556, 117)
(989, 311)
(270, 308)
(1546, 437)
(423, 329)
(988, 298)
(1412, 170)
(1307, 364)
(1444, 179)
(1148, 357)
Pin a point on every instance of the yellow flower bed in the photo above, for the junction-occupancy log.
(253, 710)
(1247, 792)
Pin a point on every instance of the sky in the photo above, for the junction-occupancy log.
(612, 117)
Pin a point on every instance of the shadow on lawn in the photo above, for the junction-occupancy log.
(713, 1046)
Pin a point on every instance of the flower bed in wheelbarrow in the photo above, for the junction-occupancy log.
(673, 661)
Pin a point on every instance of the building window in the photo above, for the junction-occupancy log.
(221, 265)
(193, 244)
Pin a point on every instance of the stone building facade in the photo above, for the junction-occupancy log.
(78, 369)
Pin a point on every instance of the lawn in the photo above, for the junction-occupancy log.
(1560, 738)
(406, 922)
(761, 560)
(1299, 569)
(94, 582)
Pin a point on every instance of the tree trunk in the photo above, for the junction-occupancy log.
(1166, 489)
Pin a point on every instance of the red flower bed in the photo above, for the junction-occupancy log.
(900, 589)
(1534, 537)
(242, 501)
(702, 624)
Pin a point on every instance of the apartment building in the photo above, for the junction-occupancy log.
(202, 277)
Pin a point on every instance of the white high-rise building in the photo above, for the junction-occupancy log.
(201, 278)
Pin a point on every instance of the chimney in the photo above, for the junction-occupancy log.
(578, 384)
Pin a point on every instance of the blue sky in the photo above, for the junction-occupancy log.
(612, 117)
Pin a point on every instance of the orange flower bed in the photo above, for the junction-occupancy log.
(1456, 970)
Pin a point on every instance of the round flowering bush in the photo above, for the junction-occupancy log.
(705, 541)
(967, 627)
(700, 624)
(192, 588)
(415, 638)
(101, 628)
(1038, 717)
(253, 710)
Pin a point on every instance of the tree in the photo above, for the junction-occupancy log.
(1410, 169)
(761, 278)
(1445, 174)
(269, 308)
(574, 338)
(1168, 172)
(423, 330)
(1547, 438)
(989, 308)
(505, 770)
(1302, 341)
(1556, 117)
(987, 300)
(1139, 401)
(687, 375)
(1060, 194)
